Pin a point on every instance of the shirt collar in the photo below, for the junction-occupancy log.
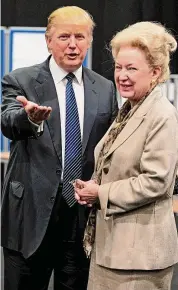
(59, 74)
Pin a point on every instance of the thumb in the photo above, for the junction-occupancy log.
(22, 100)
(79, 183)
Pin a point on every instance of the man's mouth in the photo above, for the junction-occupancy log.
(72, 55)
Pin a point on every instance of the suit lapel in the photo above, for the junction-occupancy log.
(90, 105)
(47, 96)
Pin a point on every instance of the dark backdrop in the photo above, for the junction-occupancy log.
(109, 15)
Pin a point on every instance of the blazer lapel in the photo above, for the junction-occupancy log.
(129, 129)
(90, 105)
(47, 96)
(135, 120)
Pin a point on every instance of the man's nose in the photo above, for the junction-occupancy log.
(72, 41)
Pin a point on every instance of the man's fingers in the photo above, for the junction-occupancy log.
(35, 112)
(22, 100)
(31, 108)
(41, 113)
(28, 105)
(79, 184)
(77, 197)
(47, 113)
(82, 202)
(82, 192)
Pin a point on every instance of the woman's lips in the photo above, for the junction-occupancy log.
(125, 87)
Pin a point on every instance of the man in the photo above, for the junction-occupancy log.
(54, 113)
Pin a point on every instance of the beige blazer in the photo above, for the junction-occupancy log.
(135, 227)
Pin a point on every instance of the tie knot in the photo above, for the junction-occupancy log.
(70, 76)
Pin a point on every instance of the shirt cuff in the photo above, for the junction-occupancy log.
(39, 127)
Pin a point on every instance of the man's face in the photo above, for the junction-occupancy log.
(68, 43)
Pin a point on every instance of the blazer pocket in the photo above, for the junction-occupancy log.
(17, 189)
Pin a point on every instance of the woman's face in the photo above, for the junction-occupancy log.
(133, 74)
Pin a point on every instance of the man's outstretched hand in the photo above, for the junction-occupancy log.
(36, 113)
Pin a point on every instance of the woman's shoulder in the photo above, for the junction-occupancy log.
(162, 107)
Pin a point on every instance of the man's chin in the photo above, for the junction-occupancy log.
(72, 66)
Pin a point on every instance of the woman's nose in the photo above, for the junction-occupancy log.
(123, 74)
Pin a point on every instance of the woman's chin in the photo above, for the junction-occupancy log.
(127, 95)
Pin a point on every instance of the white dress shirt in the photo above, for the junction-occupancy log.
(60, 82)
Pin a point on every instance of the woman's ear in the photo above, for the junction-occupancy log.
(156, 73)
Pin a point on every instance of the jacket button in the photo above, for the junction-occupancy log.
(58, 171)
(52, 198)
(105, 170)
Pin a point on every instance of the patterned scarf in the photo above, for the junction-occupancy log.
(125, 113)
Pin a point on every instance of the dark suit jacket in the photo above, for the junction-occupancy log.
(35, 165)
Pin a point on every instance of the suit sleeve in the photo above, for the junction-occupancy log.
(114, 103)
(15, 124)
(157, 170)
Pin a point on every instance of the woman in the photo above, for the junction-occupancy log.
(136, 162)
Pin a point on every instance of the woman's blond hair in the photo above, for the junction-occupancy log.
(71, 15)
(152, 38)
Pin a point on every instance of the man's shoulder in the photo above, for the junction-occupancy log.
(96, 76)
(29, 71)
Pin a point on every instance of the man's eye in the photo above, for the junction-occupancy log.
(79, 36)
(118, 67)
(63, 37)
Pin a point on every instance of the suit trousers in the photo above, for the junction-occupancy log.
(61, 250)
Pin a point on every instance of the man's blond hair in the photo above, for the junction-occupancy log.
(72, 15)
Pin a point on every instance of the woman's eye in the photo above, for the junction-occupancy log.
(132, 68)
